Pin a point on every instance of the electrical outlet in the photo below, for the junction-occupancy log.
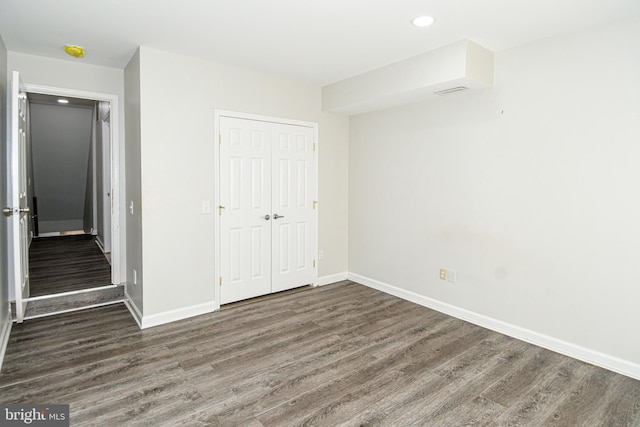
(320, 254)
(443, 274)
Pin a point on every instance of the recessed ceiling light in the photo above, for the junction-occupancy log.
(75, 51)
(63, 101)
(423, 21)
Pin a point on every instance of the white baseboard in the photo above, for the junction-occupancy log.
(597, 358)
(133, 308)
(4, 336)
(332, 278)
(145, 322)
(175, 315)
(99, 243)
(58, 226)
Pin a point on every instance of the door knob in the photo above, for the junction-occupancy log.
(8, 211)
(276, 216)
(267, 217)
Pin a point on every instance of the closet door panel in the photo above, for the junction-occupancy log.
(245, 200)
(293, 211)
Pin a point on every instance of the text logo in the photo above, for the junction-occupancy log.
(34, 415)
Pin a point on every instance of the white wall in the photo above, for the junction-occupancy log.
(133, 242)
(5, 320)
(60, 141)
(528, 190)
(178, 98)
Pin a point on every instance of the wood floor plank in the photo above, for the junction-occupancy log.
(432, 388)
(235, 353)
(288, 391)
(338, 405)
(157, 395)
(623, 403)
(341, 354)
(95, 377)
(520, 381)
(327, 353)
(538, 404)
(313, 406)
(585, 402)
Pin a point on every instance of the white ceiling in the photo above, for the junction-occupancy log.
(319, 41)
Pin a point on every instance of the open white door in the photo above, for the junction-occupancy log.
(18, 212)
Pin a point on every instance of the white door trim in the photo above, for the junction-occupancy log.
(117, 181)
(216, 185)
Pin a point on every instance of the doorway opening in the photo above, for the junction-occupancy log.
(73, 177)
(69, 178)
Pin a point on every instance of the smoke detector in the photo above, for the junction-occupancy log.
(75, 51)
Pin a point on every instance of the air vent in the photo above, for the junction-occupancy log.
(451, 90)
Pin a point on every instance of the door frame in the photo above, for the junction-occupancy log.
(217, 114)
(117, 184)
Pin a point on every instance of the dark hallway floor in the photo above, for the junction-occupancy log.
(66, 263)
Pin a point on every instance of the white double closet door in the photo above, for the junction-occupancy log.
(267, 210)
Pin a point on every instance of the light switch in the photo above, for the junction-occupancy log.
(206, 207)
(451, 276)
(131, 207)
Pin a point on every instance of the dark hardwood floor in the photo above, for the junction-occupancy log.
(66, 263)
(337, 355)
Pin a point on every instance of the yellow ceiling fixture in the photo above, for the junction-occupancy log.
(75, 51)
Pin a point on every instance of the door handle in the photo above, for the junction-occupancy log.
(267, 217)
(276, 216)
(9, 211)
